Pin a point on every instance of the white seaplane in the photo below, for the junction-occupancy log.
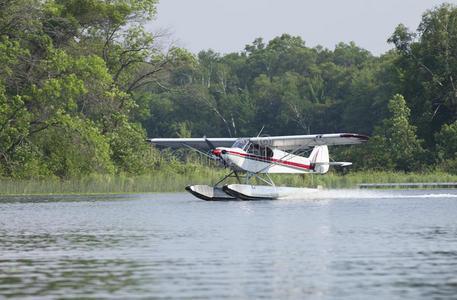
(259, 156)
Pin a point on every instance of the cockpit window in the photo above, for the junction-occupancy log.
(258, 150)
(240, 143)
(252, 148)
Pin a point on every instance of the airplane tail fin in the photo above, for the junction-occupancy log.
(319, 159)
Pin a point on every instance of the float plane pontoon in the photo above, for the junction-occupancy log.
(257, 157)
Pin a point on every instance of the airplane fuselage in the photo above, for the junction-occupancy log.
(275, 162)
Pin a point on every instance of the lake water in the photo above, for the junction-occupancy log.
(348, 244)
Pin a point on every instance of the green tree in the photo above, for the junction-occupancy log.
(446, 141)
(446, 147)
(426, 67)
(369, 92)
(406, 149)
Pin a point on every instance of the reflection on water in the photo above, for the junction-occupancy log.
(67, 277)
(340, 244)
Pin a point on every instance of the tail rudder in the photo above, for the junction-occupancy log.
(319, 159)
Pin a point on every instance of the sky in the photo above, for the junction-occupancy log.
(229, 25)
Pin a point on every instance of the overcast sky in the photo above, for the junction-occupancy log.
(228, 25)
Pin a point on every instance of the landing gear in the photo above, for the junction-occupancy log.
(249, 175)
(213, 193)
(235, 191)
(231, 174)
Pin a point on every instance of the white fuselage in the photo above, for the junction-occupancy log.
(279, 162)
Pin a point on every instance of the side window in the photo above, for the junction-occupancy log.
(249, 148)
(265, 151)
(269, 152)
(258, 150)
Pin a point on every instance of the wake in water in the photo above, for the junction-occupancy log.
(332, 194)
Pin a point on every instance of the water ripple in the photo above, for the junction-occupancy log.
(358, 246)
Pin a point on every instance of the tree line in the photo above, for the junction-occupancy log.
(82, 83)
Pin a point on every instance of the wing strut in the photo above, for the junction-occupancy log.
(198, 151)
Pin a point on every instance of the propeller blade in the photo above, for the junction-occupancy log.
(211, 146)
(217, 154)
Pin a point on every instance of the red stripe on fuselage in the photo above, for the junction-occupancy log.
(269, 159)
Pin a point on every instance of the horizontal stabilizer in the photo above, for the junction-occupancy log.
(335, 163)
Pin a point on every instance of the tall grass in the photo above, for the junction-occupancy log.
(351, 180)
(158, 182)
(171, 181)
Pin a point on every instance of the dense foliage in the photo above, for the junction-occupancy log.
(82, 84)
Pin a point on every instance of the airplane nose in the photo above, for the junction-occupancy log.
(217, 152)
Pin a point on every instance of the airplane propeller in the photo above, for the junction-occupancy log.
(211, 146)
(216, 152)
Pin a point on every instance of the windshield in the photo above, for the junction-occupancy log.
(240, 143)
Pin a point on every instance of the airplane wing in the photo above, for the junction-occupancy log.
(286, 142)
(291, 142)
(198, 143)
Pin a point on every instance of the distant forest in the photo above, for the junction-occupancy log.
(82, 83)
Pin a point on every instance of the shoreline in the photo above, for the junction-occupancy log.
(99, 184)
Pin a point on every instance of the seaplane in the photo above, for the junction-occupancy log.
(257, 157)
